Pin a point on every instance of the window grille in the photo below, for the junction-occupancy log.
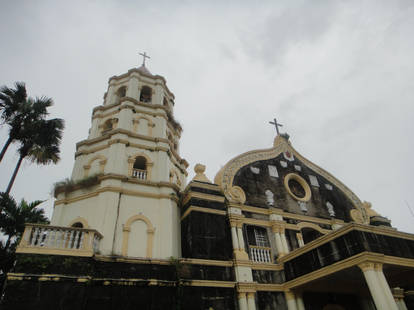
(261, 237)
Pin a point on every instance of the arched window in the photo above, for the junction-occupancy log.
(146, 94)
(120, 93)
(139, 170)
(259, 246)
(310, 234)
(77, 225)
(107, 126)
(133, 233)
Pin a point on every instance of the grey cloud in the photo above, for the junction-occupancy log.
(287, 27)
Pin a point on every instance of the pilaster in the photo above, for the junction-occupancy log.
(385, 287)
(398, 294)
(110, 95)
(381, 299)
(290, 300)
(132, 90)
(251, 304)
(242, 301)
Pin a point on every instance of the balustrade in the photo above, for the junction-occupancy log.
(48, 239)
(139, 174)
(260, 254)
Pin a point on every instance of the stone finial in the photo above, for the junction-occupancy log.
(199, 169)
(285, 136)
(281, 139)
(368, 208)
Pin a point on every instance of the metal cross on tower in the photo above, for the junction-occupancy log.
(144, 55)
(277, 125)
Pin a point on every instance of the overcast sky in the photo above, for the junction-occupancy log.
(339, 75)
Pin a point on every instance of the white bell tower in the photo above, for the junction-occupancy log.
(128, 172)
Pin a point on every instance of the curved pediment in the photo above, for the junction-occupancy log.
(280, 177)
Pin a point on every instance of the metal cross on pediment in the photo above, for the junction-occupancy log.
(277, 125)
(144, 55)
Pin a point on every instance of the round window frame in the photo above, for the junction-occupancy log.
(302, 182)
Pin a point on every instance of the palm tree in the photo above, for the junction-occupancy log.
(40, 144)
(13, 217)
(18, 111)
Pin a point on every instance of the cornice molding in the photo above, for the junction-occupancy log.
(125, 103)
(288, 215)
(180, 163)
(154, 78)
(192, 183)
(116, 190)
(342, 231)
(204, 196)
(201, 209)
(355, 260)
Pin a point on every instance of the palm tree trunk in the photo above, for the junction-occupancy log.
(3, 151)
(14, 174)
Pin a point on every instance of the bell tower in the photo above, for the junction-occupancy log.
(128, 172)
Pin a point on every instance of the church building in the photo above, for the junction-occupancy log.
(272, 231)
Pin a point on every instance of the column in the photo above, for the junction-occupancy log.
(284, 241)
(290, 300)
(139, 92)
(401, 304)
(132, 90)
(110, 94)
(279, 245)
(158, 96)
(299, 301)
(234, 237)
(240, 236)
(385, 287)
(242, 301)
(300, 239)
(374, 286)
(398, 294)
(125, 119)
(250, 301)
(94, 131)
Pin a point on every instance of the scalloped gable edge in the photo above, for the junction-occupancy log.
(225, 176)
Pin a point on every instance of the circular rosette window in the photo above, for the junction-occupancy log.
(297, 187)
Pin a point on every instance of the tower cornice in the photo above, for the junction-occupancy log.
(181, 163)
(175, 128)
(141, 73)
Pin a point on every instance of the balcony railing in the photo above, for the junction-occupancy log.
(46, 239)
(260, 254)
(139, 174)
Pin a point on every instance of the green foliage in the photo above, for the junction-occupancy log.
(38, 138)
(10, 101)
(68, 185)
(20, 113)
(13, 217)
(38, 263)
